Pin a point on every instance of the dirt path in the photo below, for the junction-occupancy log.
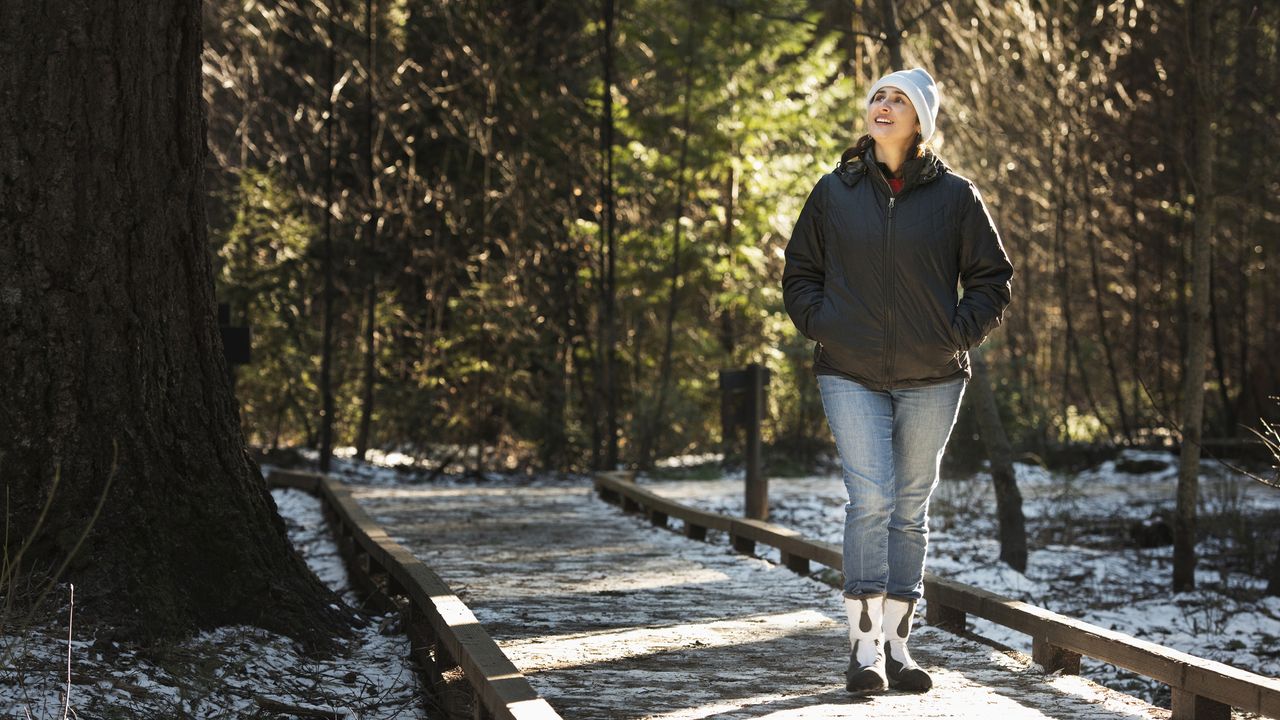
(612, 618)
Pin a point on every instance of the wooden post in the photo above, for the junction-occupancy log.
(946, 618)
(608, 495)
(1053, 658)
(757, 500)
(1189, 706)
(796, 563)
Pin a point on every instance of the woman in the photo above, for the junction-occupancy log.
(871, 274)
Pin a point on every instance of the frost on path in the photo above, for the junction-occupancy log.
(612, 618)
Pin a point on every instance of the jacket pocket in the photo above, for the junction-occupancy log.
(817, 321)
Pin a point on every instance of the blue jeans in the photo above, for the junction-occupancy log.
(890, 446)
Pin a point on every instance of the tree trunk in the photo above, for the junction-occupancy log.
(891, 26)
(608, 382)
(1073, 336)
(727, 334)
(1061, 275)
(370, 368)
(1135, 308)
(1228, 421)
(326, 340)
(649, 443)
(371, 241)
(112, 380)
(1184, 526)
(1013, 525)
(1104, 338)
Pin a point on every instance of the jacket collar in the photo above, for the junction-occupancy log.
(915, 171)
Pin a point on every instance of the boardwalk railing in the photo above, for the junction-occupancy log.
(437, 620)
(1201, 689)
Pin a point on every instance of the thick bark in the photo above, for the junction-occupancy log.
(1184, 526)
(111, 367)
(1013, 525)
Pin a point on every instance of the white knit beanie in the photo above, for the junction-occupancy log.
(919, 86)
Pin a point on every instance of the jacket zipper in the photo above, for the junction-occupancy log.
(890, 336)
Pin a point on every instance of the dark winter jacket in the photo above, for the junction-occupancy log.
(872, 277)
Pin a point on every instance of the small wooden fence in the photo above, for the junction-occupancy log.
(1202, 689)
(445, 634)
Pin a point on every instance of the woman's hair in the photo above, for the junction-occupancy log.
(859, 148)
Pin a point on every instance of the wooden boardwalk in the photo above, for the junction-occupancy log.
(610, 617)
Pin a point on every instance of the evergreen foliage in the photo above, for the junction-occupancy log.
(487, 267)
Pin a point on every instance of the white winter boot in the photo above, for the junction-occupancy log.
(866, 662)
(903, 672)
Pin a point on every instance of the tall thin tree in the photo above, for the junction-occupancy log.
(608, 249)
(649, 442)
(1203, 89)
(326, 341)
(1013, 524)
(370, 240)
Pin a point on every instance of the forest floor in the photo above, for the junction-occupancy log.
(233, 672)
(1083, 563)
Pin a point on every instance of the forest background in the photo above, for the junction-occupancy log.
(449, 239)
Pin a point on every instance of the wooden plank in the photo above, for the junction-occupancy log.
(796, 563)
(498, 683)
(1233, 686)
(501, 688)
(504, 692)
(1269, 703)
(1053, 658)
(1189, 706)
(622, 476)
(1154, 661)
(1062, 640)
(788, 541)
(307, 481)
(648, 499)
(946, 618)
(951, 594)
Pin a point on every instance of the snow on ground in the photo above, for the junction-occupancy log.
(1082, 562)
(219, 674)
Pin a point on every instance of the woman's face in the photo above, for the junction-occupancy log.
(891, 118)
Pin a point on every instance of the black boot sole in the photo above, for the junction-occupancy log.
(865, 680)
(916, 681)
